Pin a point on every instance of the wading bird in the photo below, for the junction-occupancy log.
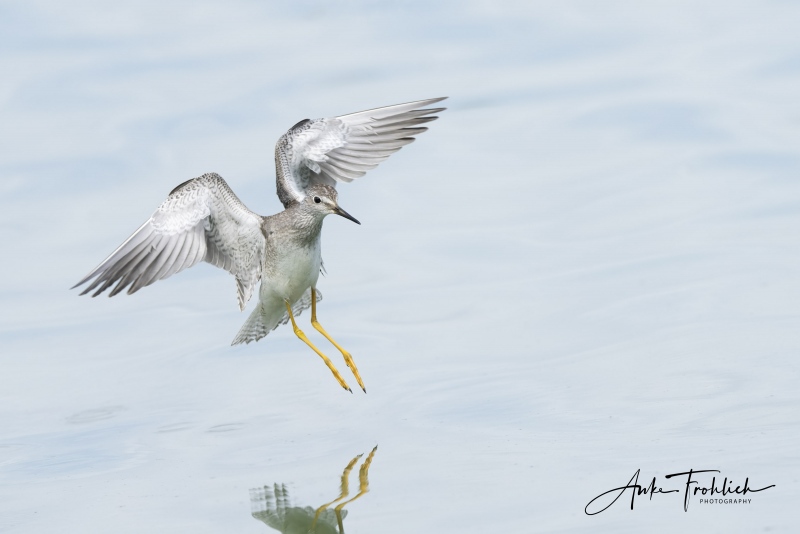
(203, 220)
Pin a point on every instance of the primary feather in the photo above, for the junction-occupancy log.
(341, 149)
(201, 220)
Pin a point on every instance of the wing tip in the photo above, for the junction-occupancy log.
(395, 109)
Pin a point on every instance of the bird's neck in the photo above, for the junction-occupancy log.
(303, 223)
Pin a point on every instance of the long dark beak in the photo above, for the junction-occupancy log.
(340, 211)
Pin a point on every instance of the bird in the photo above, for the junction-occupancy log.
(202, 219)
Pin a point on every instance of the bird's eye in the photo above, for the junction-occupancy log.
(317, 200)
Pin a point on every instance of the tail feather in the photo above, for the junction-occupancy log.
(259, 323)
(254, 328)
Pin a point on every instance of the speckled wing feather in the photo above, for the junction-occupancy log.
(201, 220)
(341, 149)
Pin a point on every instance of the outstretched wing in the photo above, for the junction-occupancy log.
(201, 219)
(341, 149)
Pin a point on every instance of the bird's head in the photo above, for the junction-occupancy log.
(322, 199)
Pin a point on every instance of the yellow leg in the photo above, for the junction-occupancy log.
(344, 491)
(363, 481)
(347, 358)
(363, 487)
(299, 333)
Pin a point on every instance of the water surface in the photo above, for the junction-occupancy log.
(586, 267)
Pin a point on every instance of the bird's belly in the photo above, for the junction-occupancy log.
(292, 273)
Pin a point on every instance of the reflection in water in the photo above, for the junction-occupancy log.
(273, 508)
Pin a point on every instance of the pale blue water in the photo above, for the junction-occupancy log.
(586, 267)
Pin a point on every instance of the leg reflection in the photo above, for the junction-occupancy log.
(344, 488)
(363, 487)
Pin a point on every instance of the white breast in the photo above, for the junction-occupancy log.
(294, 271)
